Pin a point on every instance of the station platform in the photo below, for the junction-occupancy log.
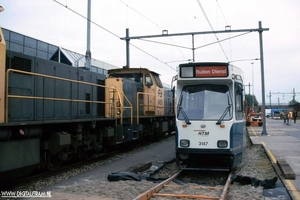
(282, 145)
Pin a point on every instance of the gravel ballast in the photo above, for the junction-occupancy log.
(255, 164)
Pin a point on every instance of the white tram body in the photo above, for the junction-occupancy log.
(210, 123)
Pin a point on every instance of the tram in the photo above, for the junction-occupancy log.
(210, 122)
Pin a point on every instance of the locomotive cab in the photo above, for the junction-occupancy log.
(149, 90)
(153, 94)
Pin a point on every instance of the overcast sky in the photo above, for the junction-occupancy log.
(59, 23)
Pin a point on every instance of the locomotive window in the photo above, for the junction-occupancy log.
(148, 80)
(137, 77)
(157, 80)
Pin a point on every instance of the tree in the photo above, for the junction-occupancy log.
(293, 102)
(249, 98)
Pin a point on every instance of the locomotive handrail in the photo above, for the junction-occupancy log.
(138, 104)
(131, 111)
(155, 106)
(121, 104)
(52, 98)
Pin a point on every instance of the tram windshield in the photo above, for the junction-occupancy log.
(205, 102)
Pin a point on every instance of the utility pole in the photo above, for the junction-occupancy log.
(293, 93)
(260, 31)
(88, 54)
(249, 88)
(252, 85)
(127, 49)
(249, 104)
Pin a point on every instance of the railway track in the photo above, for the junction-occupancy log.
(44, 174)
(190, 191)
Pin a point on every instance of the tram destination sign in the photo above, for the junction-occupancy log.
(211, 71)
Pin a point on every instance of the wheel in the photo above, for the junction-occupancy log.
(53, 161)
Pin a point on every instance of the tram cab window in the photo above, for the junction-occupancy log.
(148, 80)
(205, 102)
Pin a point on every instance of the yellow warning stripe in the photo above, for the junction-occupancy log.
(288, 182)
(293, 189)
(254, 131)
(291, 185)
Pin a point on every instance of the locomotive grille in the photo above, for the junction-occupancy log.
(20, 64)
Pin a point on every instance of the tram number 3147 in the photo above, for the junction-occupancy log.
(203, 143)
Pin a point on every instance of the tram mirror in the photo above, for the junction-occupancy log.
(240, 90)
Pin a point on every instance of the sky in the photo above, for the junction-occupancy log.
(63, 23)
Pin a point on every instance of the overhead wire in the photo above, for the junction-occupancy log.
(174, 45)
(222, 12)
(96, 24)
(151, 22)
(153, 56)
(196, 47)
(140, 14)
(211, 27)
(222, 40)
(225, 23)
(77, 13)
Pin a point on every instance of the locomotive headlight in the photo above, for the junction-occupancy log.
(184, 143)
(222, 143)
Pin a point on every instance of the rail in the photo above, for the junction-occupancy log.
(154, 192)
(43, 98)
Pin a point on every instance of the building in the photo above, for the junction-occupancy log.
(33, 47)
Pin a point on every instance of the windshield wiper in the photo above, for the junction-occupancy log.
(186, 119)
(224, 114)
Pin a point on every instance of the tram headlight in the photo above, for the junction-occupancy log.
(184, 143)
(222, 143)
(184, 156)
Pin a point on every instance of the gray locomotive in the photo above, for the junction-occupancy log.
(52, 112)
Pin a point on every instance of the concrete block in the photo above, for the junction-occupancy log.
(285, 169)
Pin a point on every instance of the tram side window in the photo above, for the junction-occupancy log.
(238, 101)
